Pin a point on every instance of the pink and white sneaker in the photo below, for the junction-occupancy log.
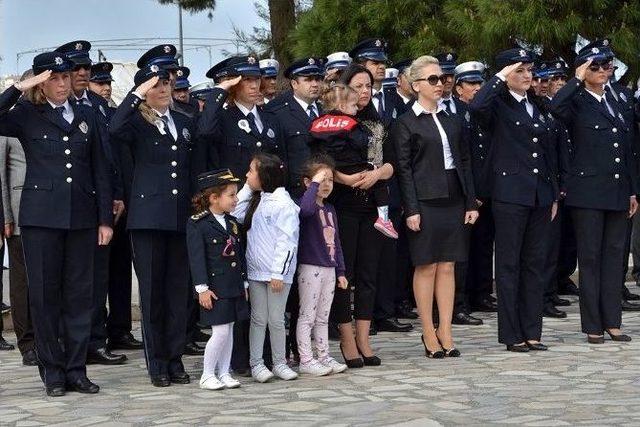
(386, 228)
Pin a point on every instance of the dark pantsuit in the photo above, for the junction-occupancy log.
(522, 235)
(119, 319)
(480, 264)
(551, 271)
(362, 248)
(568, 256)
(160, 260)
(601, 237)
(193, 314)
(60, 277)
(387, 289)
(19, 296)
(404, 268)
(100, 289)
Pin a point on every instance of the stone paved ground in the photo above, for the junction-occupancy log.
(572, 383)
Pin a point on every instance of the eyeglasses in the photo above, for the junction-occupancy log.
(558, 78)
(605, 66)
(433, 79)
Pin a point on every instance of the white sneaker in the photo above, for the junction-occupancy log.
(210, 383)
(261, 374)
(336, 367)
(229, 381)
(284, 372)
(314, 368)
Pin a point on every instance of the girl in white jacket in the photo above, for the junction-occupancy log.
(271, 218)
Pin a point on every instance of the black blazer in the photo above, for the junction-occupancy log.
(602, 173)
(520, 169)
(228, 145)
(67, 183)
(420, 159)
(162, 177)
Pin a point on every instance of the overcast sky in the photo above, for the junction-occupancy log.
(26, 25)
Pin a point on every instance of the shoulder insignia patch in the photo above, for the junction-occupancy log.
(199, 215)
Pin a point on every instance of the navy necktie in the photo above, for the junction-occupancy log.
(603, 103)
(447, 105)
(60, 110)
(312, 112)
(523, 102)
(252, 123)
(380, 108)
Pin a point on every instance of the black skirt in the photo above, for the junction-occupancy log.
(225, 310)
(443, 236)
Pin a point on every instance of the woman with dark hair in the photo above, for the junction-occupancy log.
(524, 192)
(357, 214)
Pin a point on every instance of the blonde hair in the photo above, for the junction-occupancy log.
(35, 95)
(147, 113)
(337, 94)
(415, 69)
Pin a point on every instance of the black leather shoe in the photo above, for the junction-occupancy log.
(102, 356)
(626, 294)
(567, 287)
(200, 336)
(4, 345)
(180, 378)
(83, 385)
(518, 348)
(160, 381)
(393, 325)
(595, 339)
(30, 358)
(465, 319)
(629, 306)
(560, 302)
(352, 363)
(125, 342)
(619, 337)
(536, 346)
(369, 360)
(193, 349)
(55, 390)
(551, 311)
(485, 305)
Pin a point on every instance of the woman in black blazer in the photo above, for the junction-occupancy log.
(436, 184)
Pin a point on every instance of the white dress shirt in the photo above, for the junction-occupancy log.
(446, 148)
(452, 104)
(375, 100)
(519, 99)
(68, 111)
(84, 99)
(599, 98)
(171, 124)
(256, 116)
(305, 106)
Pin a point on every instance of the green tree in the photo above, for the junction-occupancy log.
(476, 29)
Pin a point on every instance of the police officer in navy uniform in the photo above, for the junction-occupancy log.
(161, 143)
(601, 185)
(334, 65)
(66, 207)
(199, 92)
(474, 278)
(268, 83)
(78, 52)
(294, 111)
(100, 83)
(403, 89)
(232, 125)
(164, 56)
(523, 195)
(448, 65)
(182, 101)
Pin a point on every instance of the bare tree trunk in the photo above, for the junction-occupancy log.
(283, 19)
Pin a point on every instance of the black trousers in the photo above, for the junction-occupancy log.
(193, 316)
(601, 237)
(522, 236)
(404, 268)
(100, 289)
(120, 273)
(162, 267)
(387, 280)
(19, 296)
(1, 296)
(362, 249)
(568, 253)
(551, 272)
(60, 280)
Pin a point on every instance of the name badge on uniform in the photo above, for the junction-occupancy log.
(186, 134)
(623, 97)
(101, 108)
(84, 127)
(244, 125)
(160, 125)
(271, 133)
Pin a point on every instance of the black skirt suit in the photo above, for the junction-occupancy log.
(440, 196)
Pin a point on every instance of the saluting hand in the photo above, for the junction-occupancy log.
(509, 69)
(413, 222)
(33, 81)
(146, 86)
(105, 233)
(228, 84)
(581, 71)
(205, 299)
(633, 206)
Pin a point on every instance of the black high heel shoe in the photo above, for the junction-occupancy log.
(369, 360)
(438, 354)
(352, 363)
(619, 337)
(448, 352)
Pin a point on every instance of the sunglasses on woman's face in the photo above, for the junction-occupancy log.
(433, 79)
(606, 66)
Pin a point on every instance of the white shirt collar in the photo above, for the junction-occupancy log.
(518, 97)
(66, 105)
(419, 109)
(83, 96)
(246, 111)
(595, 95)
(305, 105)
(166, 113)
(404, 98)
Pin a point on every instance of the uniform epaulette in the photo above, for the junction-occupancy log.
(199, 216)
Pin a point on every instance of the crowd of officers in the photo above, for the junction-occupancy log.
(88, 187)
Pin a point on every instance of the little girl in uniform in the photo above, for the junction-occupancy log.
(271, 220)
(216, 258)
(320, 262)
